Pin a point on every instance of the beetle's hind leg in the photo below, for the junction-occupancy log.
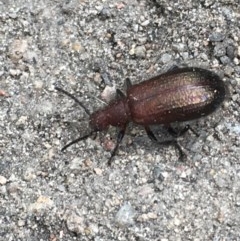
(168, 142)
(176, 133)
(150, 134)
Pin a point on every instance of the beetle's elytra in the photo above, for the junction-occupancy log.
(181, 94)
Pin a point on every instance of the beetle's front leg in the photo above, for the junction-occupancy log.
(120, 136)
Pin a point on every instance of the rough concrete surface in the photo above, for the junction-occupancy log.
(89, 48)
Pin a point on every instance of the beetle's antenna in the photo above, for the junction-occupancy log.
(74, 98)
(77, 140)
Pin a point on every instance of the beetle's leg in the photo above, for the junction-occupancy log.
(120, 94)
(175, 133)
(120, 136)
(128, 83)
(193, 131)
(150, 134)
(173, 67)
(169, 142)
(176, 144)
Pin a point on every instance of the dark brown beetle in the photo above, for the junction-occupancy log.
(181, 94)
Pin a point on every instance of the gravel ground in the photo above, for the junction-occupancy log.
(89, 48)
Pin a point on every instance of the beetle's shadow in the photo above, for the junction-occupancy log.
(165, 140)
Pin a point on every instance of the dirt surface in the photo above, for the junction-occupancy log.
(89, 48)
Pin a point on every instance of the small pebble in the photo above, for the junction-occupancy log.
(125, 215)
(3, 180)
(216, 37)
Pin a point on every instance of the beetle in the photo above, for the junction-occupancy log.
(178, 95)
